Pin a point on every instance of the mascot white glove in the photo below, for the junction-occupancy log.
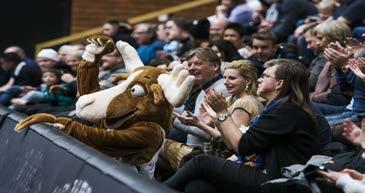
(99, 45)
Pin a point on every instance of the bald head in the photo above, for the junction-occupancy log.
(216, 29)
(144, 33)
(16, 49)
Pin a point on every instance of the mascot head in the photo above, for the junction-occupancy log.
(147, 94)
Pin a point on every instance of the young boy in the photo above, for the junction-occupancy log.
(52, 91)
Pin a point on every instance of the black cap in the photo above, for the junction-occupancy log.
(200, 29)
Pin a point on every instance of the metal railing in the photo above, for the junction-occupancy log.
(132, 20)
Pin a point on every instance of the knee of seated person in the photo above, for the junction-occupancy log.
(12, 90)
(202, 158)
(32, 92)
(16, 87)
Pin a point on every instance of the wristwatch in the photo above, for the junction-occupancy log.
(222, 117)
(344, 69)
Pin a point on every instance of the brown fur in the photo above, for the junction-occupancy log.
(139, 138)
(147, 109)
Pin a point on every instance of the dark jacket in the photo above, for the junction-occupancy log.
(315, 69)
(289, 12)
(353, 11)
(26, 74)
(350, 80)
(285, 136)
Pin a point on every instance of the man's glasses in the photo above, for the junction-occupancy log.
(264, 76)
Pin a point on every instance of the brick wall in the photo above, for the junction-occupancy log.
(88, 14)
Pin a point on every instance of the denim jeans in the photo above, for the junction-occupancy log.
(340, 118)
(12, 92)
(328, 110)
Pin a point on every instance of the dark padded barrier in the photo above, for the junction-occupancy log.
(32, 163)
(4, 112)
(43, 159)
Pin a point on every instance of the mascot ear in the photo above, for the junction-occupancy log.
(158, 94)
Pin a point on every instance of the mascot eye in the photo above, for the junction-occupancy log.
(138, 90)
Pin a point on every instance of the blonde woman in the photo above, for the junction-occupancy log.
(240, 81)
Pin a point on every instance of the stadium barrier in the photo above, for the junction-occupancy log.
(43, 159)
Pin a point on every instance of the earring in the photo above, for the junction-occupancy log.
(246, 87)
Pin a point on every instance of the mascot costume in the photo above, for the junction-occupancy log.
(132, 117)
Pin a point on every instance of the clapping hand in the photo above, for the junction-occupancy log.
(351, 132)
(215, 100)
(188, 118)
(331, 176)
(337, 54)
(354, 174)
(207, 115)
(355, 66)
(354, 43)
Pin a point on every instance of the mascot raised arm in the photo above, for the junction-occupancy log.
(132, 117)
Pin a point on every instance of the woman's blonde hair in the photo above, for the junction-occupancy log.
(329, 5)
(247, 71)
(333, 31)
